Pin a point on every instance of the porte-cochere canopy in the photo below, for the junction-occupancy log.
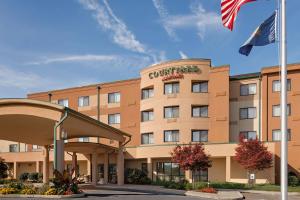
(33, 122)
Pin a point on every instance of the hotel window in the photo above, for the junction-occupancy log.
(199, 111)
(168, 171)
(114, 118)
(83, 139)
(63, 102)
(276, 110)
(171, 112)
(199, 135)
(276, 135)
(200, 87)
(114, 97)
(200, 176)
(248, 89)
(147, 93)
(248, 113)
(147, 138)
(276, 85)
(83, 101)
(249, 135)
(171, 88)
(13, 148)
(147, 115)
(171, 136)
(35, 147)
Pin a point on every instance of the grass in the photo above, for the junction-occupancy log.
(269, 187)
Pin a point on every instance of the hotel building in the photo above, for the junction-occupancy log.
(179, 102)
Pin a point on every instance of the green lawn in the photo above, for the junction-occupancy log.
(268, 187)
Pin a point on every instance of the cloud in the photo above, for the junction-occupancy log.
(17, 79)
(164, 16)
(75, 58)
(198, 18)
(183, 55)
(110, 22)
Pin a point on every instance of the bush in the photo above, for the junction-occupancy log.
(228, 185)
(42, 190)
(51, 191)
(28, 191)
(24, 177)
(136, 176)
(16, 185)
(8, 191)
(293, 181)
(3, 170)
(33, 176)
(7, 181)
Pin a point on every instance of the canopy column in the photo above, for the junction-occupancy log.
(106, 164)
(120, 165)
(94, 169)
(45, 164)
(74, 164)
(60, 152)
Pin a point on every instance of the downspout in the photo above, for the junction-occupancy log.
(57, 124)
(259, 110)
(98, 107)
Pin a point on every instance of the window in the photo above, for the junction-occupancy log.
(200, 87)
(83, 139)
(35, 147)
(171, 136)
(147, 93)
(199, 111)
(171, 112)
(83, 101)
(114, 97)
(276, 135)
(168, 171)
(276, 110)
(63, 102)
(248, 89)
(277, 86)
(248, 113)
(114, 118)
(249, 135)
(171, 88)
(13, 148)
(199, 135)
(200, 176)
(147, 115)
(147, 138)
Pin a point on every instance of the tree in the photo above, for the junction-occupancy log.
(3, 170)
(254, 156)
(191, 157)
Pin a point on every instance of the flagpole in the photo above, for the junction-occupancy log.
(284, 145)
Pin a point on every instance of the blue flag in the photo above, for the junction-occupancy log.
(265, 34)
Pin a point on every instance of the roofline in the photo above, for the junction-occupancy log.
(84, 86)
(245, 76)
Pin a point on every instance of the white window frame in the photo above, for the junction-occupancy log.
(149, 136)
(149, 114)
(63, 102)
(277, 132)
(201, 112)
(276, 110)
(114, 97)
(247, 111)
(249, 135)
(245, 89)
(174, 136)
(147, 93)
(174, 88)
(276, 85)
(173, 112)
(83, 101)
(117, 118)
(200, 87)
(200, 135)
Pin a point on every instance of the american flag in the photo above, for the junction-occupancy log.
(229, 10)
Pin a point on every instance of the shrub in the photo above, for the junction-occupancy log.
(51, 191)
(16, 185)
(293, 181)
(28, 191)
(7, 181)
(208, 190)
(24, 176)
(228, 185)
(33, 176)
(136, 176)
(3, 170)
(8, 190)
(43, 189)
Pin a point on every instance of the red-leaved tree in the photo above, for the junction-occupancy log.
(254, 156)
(191, 157)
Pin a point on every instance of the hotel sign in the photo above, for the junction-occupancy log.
(174, 72)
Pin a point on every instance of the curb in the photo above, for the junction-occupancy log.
(224, 195)
(42, 196)
(269, 192)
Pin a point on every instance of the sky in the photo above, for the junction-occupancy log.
(54, 44)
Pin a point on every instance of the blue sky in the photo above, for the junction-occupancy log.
(55, 44)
